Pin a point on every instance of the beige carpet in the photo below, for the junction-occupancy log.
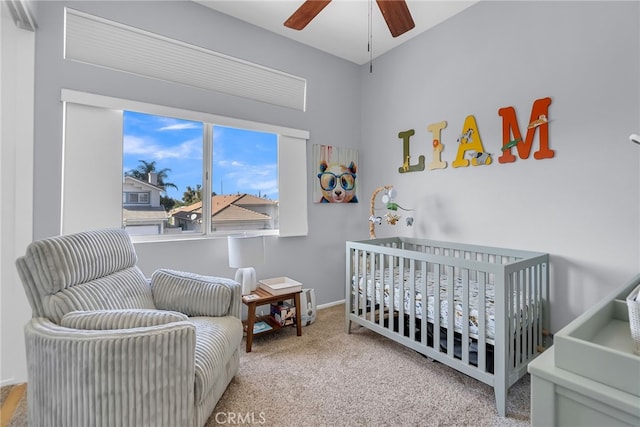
(329, 378)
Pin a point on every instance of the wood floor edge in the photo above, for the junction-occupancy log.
(11, 403)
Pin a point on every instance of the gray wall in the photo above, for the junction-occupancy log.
(582, 205)
(332, 118)
(16, 182)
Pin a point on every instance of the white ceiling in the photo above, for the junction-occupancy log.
(342, 28)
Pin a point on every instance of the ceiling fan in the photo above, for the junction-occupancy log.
(395, 13)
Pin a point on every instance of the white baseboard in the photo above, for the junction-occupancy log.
(330, 304)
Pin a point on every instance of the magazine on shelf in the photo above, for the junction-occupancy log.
(280, 285)
(261, 327)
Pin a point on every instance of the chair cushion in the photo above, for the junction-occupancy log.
(191, 294)
(217, 339)
(119, 319)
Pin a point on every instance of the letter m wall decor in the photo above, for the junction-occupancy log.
(512, 138)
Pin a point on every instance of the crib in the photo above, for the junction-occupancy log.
(480, 310)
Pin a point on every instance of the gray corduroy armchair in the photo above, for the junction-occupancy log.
(108, 347)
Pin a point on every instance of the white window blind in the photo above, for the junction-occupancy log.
(91, 169)
(97, 41)
(292, 186)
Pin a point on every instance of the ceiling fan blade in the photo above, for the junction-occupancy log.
(396, 14)
(305, 14)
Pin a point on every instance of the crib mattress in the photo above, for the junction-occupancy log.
(420, 309)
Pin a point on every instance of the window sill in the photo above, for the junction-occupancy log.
(193, 237)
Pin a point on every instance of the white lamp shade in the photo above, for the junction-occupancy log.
(245, 251)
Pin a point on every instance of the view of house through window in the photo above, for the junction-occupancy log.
(163, 181)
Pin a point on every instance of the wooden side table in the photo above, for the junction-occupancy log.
(262, 297)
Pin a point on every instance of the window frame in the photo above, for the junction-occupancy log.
(287, 137)
(138, 194)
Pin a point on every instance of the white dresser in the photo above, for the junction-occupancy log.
(590, 376)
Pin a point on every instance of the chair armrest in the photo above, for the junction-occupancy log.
(141, 376)
(196, 295)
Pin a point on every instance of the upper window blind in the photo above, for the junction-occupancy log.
(97, 41)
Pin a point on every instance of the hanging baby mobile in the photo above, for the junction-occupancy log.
(391, 216)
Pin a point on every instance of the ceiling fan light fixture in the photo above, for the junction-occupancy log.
(397, 16)
(395, 12)
(305, 14)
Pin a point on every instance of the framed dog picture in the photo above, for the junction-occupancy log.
(335, 174)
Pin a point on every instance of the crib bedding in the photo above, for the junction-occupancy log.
(444, 303)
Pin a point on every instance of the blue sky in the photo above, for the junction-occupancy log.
(243, 161)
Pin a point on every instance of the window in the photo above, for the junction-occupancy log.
(245, 180)
(166, 155)
(135, 198)
(257, 169)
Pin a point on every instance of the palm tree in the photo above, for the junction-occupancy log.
(192, 195)
(143, 171)
(167, 202)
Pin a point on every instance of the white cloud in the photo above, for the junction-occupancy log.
(135, 145)
(186, 149)
(232, 164)
(255, 179)
(181, 126)
(151, 150)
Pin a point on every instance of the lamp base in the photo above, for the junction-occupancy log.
(246, 276)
